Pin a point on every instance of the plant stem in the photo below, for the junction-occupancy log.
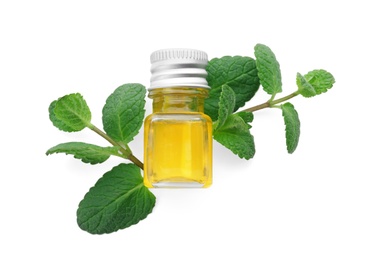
(271, 103)
(277, 101)
(136, 161)
(126, 153)
(258, 107)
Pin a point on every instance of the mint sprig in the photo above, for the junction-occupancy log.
(119, 199)
(268, 70)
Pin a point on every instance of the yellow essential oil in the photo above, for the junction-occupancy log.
(178, 135)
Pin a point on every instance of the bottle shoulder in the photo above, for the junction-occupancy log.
(188, 116)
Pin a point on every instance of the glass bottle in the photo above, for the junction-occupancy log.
(178, 135)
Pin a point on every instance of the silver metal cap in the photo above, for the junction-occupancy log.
(178, 68)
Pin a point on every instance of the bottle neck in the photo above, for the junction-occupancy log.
(179, 99)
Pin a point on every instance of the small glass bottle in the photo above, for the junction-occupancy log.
(178, 135)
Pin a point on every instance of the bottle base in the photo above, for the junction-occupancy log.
(176, 183)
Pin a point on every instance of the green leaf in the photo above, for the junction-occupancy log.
(239, 73)
(118, 200)
(88, 153)
(56, 122)
(247, 117)
(123, 112)
(304, 88)
(321, 80)
(268, 69)
(235, 135)
(292, 126)
(226, 105)
(70, 113)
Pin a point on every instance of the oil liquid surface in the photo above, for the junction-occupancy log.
(178, 150)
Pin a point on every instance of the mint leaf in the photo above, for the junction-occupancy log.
(56, 122)
(123, 112)
(88, 153)
(70, 113)
(235, 135)
(268, 69)
(226, 105)
(247, 117)
(239, 73)
(304, 88)
(321, 80)
(118, 200)
(292, 126)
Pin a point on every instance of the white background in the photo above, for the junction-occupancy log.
(313, 204)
